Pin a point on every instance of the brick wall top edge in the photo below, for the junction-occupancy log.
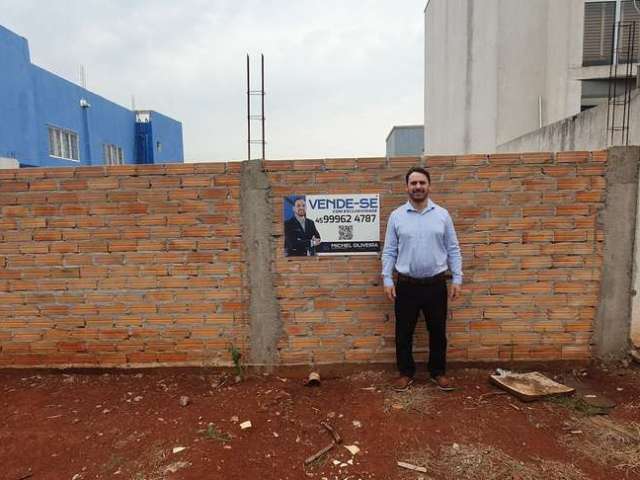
(105, 170)
(288, 164)
(404, 162)
(41, 172)
(415, 158)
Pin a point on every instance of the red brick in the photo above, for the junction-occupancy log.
(14, 186)
(578, 209)
(598, 183)
(589, 196)
(230, 181)
(536, 262)
(572, 157)
(537, 157)
(538, 236)
(577, 183)
(465, 160)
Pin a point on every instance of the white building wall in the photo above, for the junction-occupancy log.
(482, 74)
(444, 73)
(488, 61)
(522, 47)
(9, 163)
(565, 33)
(585, 131)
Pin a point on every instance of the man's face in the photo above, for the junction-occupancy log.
(299, 208)
(418, 187)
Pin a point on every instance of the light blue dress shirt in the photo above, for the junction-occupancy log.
(421, 244)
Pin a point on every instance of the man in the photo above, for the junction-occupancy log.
(300, 234)
(420, 244)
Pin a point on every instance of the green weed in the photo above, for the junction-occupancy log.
(212, 433)
(579, 405)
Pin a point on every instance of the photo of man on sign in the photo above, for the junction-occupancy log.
(300, 234)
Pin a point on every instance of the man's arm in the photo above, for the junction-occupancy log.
(314, 233)
(290, 239)
(389, 257)
(454, 257)
(287, 241)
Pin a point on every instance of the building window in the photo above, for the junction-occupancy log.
(113, 154)
(63, 144)
(599, 20)
(629, 41)
(599, 32)
(158, 147)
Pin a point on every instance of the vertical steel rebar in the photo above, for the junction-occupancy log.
(627, 93)
(623, 28)
(630, 60)
(624, 54)
(260, 117)
(262, 71)
(610, 121)
(248, 112)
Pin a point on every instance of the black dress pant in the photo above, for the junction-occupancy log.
(432, 300)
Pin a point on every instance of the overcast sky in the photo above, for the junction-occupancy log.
(338, 73)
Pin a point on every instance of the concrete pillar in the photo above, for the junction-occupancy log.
(635, 298)
(613, 320)
(265, 326)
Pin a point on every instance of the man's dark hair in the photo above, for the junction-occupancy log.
(417, 170)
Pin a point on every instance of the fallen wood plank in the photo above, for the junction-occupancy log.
(485, 395)
(319, 453)
(334, 434)
(529, 386)
(410, 466)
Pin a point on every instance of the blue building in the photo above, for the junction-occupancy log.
(405, 140)
(48, 121)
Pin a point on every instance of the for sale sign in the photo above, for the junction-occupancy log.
(344, 224)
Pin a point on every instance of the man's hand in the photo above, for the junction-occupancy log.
(315, 241)
(455, 291)
(390, 292)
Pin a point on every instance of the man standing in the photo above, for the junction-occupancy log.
(300, 234)
(420, 244)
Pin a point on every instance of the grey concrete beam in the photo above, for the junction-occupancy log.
(265, 325)
(613, 319)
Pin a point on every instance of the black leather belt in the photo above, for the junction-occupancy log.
(402, 278)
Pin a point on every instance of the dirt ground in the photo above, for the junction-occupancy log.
(131, 425)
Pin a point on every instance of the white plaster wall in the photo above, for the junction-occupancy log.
(9, 163)
(563, 88)
(488, 61)
(521, 67)
(445, 44)
(483, 95)
(584, 131)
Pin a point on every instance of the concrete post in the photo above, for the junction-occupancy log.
(265, 326)
(612, 326)
(635, 293)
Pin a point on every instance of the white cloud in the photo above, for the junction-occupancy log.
(339, 73)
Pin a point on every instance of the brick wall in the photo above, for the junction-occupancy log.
(531, 247)
(145, 264)
(120, 265)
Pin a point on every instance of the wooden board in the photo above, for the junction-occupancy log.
(529, 386)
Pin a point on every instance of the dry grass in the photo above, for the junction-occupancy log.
(369, 376)
(608, 442)
(479, 462)
(416, 399)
